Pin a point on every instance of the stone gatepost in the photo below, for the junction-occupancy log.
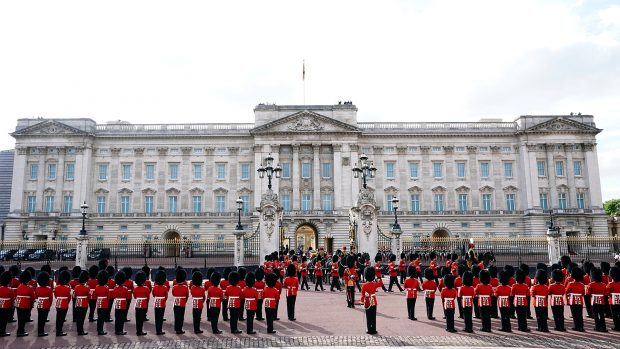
(366, 212)
(553, 245)
(81, 254)
(239, 235)
(397, 246)
(269, 228)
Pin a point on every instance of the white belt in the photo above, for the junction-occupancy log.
(57, 297)
(250, 299)
(81, 297)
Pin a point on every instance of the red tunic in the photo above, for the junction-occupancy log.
(259, 286)
(160, 295)
(223, 286)
(539, 295)
(120, 295)
(318, 269)
(597, 291)
(272, 296)
(215, 294)
(411, 287)
(62, 294)
(142, 294)
(556, 294)
(92, 283)
(334, 271)
(466, 293)
(433, 266)
(378, 271)
(234, 296)
(291, 284)
(250, 296)
(369, 294)
(44, 296)
(429, 287)
(180, 294)
(81, 293)
(303, 268)
(24, 297)
(392, 269)
(448, 298)
(484, 294)
(111, 284)
(613, 290)
(6, 297)
(502, 292)
(198, 297)
(279, 286)
(574, 293)
(102, 296)
(207, 284)
(350, 275)
(520, 292)
(74, 283)
(401, 266)
(149, 284)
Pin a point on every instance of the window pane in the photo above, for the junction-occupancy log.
(581, 200)
(305, 170)
(34, 171)
(49, 204)
(439, 202)
(150, 172)
(543, 201)
(437, 169)
(286, 202)
(415, 202)
(51, 171)
(70, 175)
(413, 170)
(100, 204)
(508, 169)
(103, 172)
(486, 202)
(388, 202)
(389, 169)
(577, 168)
(32, 204)
(197, 203)
(221, 171)
(286, 170)
(124, 204)
(327, 202)
(463, 202)
(510, 202)
(562, 200)
(245, 171)
(174, 171)
(220, 203)
(197, 171)
(326, 170)
(172, 204)
(126, 172)
(306, 202)
(460, 170)
(67, 204)
(559, 168)
(484, 169)
(541, 168)
(246, 203)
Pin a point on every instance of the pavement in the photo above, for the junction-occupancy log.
(323, 320)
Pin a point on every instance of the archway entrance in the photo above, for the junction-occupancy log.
(439, 240)
(306, 236)
(172, 243)
(440, 234)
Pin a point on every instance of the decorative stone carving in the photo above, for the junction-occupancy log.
(79, 150)
(550, 147)
(305, 123)
(495, 149)
(589, 146)
(448, 149)
(275, 148)
(354, 147)
(186, 151)
(425, 149)
(377, 149)
(162, 151)
(346, 161)
(366, 197)
(21, 150)
(401, 149)
(516, 149)
(337, 147)
(115, 151)
(532, 147)
(472, 149)
(269, 198)
(138, 151)
(209, 150)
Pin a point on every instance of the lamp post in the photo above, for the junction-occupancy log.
(84, 209)
(366, 169)
(239, 209)
(269, 170)
(588, 241)
(395, 208)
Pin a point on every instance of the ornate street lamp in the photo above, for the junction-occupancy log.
(366, 169)
(395, 207)
(239, 208)
(84, 209)
(269, 170)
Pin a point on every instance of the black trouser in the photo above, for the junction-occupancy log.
(430, 303)
(80, 316)
(270, 314)
(351, 296)
(598, 310)
(129, 307)
(512, 306)
(485, 314)
(558, 316)
(73, 309)
(336, 283)
(22, 318)
(61, 315)
(290, 306)
(225, 309)
(277, 307)
(394, 281)
(494, 312)
(42, 317)
(402, 276)
(467, 316)
(521, 317)
(587, 301)
(140, 317)
(577, 312)
(108, 315)
(241, 312)
(357, 283)
(101, 313)
(319, 282)
(259, 309)
(459, 300)
(12, 314)
(234, 319)
(449, 313)
(371, 319)
(615, 314)
(92, 306)
(304, 281)
(529, 308)
(196, 314)
(505, 315)
(476, 308)
(213, 315)
(119, 320)
(542, 313)
(5, 314)
(250, 321)
(159, 319)
(411, 308)
(179, 318)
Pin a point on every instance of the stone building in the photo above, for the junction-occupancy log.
(159, 181)
(6, 173)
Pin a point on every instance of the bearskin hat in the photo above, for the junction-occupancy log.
(140, 278)
(468, 278)
(392, 258)
(146, 270)
(93, 271)
(461, 269)
(5, 278)
(209, 272)
(411, 272)
(111, 271)
(215, 278)
(31, 271)
(334, 259)
(378, 258)
(557, 275)
(233, 278)
(43, 279)
(14, 270)
(25, 277)
(448, 281)
(276, 271)
(102, 278)
(128, 272)
(250, 279)
(227, 271)
(504, 277)
(510, 269)
(160, 277)
(577, 274)
(84, 276)
(520, 276)
(259, 274)
(614, 272)
(291, 271)
(64, 277)
(428, 274)
(541, 277)
(242, 272)
(540, 266)
(565, 261)
(403, 255)
(76, 271)
(555, 266)
(350, 262)
(475, 270)
(605, 267)
(197, 278)
(47, 268)
(432, 255)
(369, 274)
(597, 275)
(120, 278)
(492, 271)
(270, 279)
(181, 276)
(485, 277)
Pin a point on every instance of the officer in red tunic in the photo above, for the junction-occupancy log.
(250, 300)
(433, 264)
(224, 285)
(448, 300)
(24, 301)
(75, 280)
(412, 286)
(334, 274)
(81, 293)
(160, 296)
(393, 272)
(62, 292)
(429, 286)
(350, 278)
(369, 300)
(242, 272)
(233, 292)
(291, 285)
(521, 292)
(6, 301)
(502, 293)
(142, 294)
(214, 297)
(303, 271)
(318, 273)
(259, 285)
(402, 267)
(101, 295)
(120, 293)
(111, 285)
(379, 272)
(93, 271)
(556, 299)
(574, 294)
(539, 293)
(613, 290)
(597, 290)
(198, 300)
(484, 293)
(44, 297)
(272, 296)
(466, 293)
(180, 292)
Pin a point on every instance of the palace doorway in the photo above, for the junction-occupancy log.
(171, 244)
(306, 236)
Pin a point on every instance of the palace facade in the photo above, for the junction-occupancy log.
(160, 181)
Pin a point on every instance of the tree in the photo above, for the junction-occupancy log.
(611, 206)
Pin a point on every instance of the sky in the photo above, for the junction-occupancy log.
(199, 61)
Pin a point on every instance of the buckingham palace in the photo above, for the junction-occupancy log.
(170, 181)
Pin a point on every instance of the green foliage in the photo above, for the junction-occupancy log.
(611, 206)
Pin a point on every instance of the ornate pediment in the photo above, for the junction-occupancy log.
(303, 122)
(561, 124)
(49, 128)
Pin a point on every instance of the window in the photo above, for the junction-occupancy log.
(463, 202)
(327, 202)
(126, 172)
(416, 225)
(219, 241)
(512, 225)
(436, 149)
(99, 228)
(306, 202)
(103, 172)
(561, 200)
(220, 203)
(172, 203)
(32, 203)
(148, 204)
(150, 172)
(544, 204)
(173, 171)
(577, 167)
(305, 170)
(195, 226)
(49, 203)
(100, 204)
(484, 169)
(286, 170)
(246, 203)
(326, 170)
(415, 202)
(437, 169)
(488, 224)
(413, 170)
(464, 225)
(541, 168)
(460, 169)
(460, 149)
(125, 204)
(197, 171)
(508, 169)
(486, 202)
(510, 202)
(220, 171)
(67, 204)
(70, 172)
(34, 171)
(388, 201)
(123, 228)
(559, 168)
(286, 202)
(51, 172)
(197, 203)
(245, 171)
(389, 170)
(439, 202)
(581, 200)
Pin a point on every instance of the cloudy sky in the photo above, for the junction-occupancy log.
(152, 61)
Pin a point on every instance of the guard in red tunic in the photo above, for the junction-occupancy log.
(81, 294)
(242, 272)
(180, 293)
(521, 293)
(448, 299)
(484, 293)
(6, 301)
(111, 285)
(142, 294)
(574, 294)
(101, 295)
(62, 292)
(291, 285)
(556, 299)
(44, 297)
(224, 285)
(412, 286)
(318, 273)
(540, 293)
(160, 296)
(271, 297)
(214, 297)
(350, 278)
(119, 294)
(597, 291)
(369, 300)
(279, 288)
(466, 294)
(75, 280)
(379, 272)
(494, 284)
(613, 290)
(502, 293)
(433, 264)
(14, 270)
(303, 271)
(250, 297)
(24, 301)
(93, 271)
(402, 267)
(259, 285)
(233, 292)
(130, 285)
(334, 274)
(429, 286)
(198, 300)
(393, 272)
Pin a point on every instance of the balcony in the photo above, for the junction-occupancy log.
(321, 213)
(452, 213)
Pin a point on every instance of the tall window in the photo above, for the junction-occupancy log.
(327, 202)
(150, 172)
(173, 171)
(220, 171)
(510, 202)
(577, 167)
(562, 200)
(220, 203)
(245, 171)
(32, 203)
(126, 171)
(559, 168)
(544, 203)
(67, 204)
(463, 202)
(306, 169)
(197, 203)
(286, 170)
(100, 204)
(541, 168)
(326, 170)
(413, 170)
(34, 171)
(388, 202)
(103, 172)
(439, 202)
(286, 202)
(460, 169)
(172, 203)
(437, 170)
(581, 200)
(486, 202)
(415, 202)
(484, 169)
(51, 172)
(197, 171)
(49, 203)
(70, 171)
(508, 169)
(389, 170)
(306, 202)
(246, 203)
(148, 204)
(125, 204)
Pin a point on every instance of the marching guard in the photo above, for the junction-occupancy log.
(214, 297)
(142, 294)
(198, 300)
(350, 278)
(160, 295)
(448, 300)
(180, 292)
(101, 295)
(120, 294)
(412, 286)
(250, 296)
(393, 272)
(44, 296)
(272, 296)
(369, 300)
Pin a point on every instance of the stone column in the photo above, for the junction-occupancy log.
(316, 177)
(366, 211)
(81, 251)
(570, 176)
(402, 168)
(553, 246)
(41, 178)
(553, 190)
(269, 221)
(239, 234)
(396, 242)
(594, 179)
(377, 159)
(496, 173)
(355, 185)
(60, 179)
(338, 202)
(528, 176)
(185, 179)
(296, 204)
(138, 180)
(234, 169)
(426, 173)
(451, 202)
(258, 161)
(21, 173)
(85, 185)
(160, 196)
